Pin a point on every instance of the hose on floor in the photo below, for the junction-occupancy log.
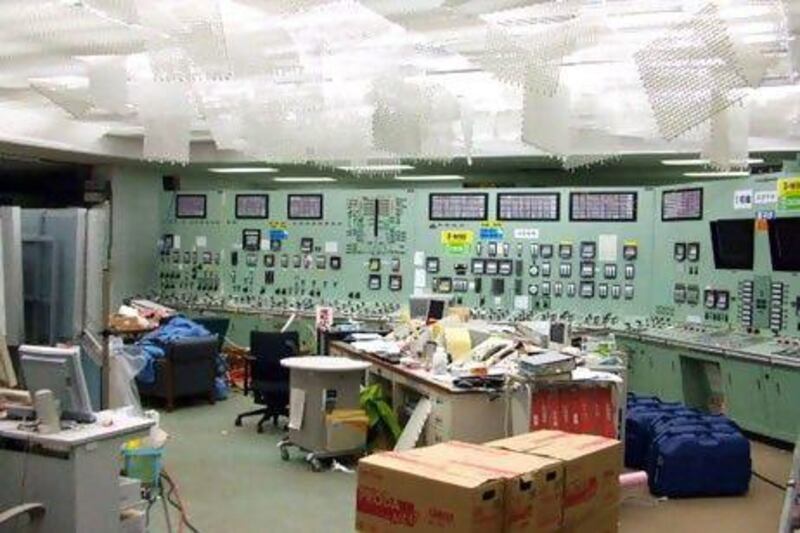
(177, 503)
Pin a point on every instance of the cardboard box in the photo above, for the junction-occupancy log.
(591, 468)
(345, 430)
(533, 485)
(602, 521)
(410, 492)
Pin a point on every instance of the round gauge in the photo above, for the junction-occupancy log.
(533, 289)
(533, 270)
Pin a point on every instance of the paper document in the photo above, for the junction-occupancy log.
(297, 404)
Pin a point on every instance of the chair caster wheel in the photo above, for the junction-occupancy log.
(284, 453)
(316, 465)
(260, 429)
(238, 423)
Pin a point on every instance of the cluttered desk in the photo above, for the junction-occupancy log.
(457, 378)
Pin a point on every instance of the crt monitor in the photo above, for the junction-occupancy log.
(784, 244)
(428, 307)
(732, 241)
(60, 371)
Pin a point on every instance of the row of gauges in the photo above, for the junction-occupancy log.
(586, 289)
(375, 282)
(686, 251)
(308, 261)
(191, 257)
(588, 250)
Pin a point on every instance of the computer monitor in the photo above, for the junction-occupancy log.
(60, 371)
(428, 307)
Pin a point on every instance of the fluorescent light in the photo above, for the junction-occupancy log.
(442, 177)
(376, 168)
(309, 179)
(704, 162)
(722, 174)
(243, 170)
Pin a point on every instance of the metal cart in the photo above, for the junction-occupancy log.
(320, 384)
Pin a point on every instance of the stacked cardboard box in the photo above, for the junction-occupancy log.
(546, 481)
(591, 475)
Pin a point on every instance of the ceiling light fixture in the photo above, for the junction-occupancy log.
(244, 170)
(309, 179)
(704, 162)
(375, 168)
(442, 177)
(722, 174)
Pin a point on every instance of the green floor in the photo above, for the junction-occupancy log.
(233, 480)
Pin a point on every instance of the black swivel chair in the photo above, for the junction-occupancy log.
(269, 381)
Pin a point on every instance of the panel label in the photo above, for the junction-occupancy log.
(491, 230)
(526, 233)
(765, 197)
(743, 199)
(278, 234)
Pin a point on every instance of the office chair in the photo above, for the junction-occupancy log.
(269, 381)
(216, 326)
(30, 514)
(188, 368)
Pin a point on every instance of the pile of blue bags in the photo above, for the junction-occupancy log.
(685, 452)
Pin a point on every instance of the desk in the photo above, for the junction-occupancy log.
(456, 414)
(74, 473)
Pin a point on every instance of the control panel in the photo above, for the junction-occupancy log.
(504, 253)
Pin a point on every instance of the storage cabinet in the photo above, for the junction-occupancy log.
(746, 395)
(761, 398)
(782, 385)
(654, 370)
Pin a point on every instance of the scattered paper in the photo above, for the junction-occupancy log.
(297, 403)
(331, 247)
(419, 258)
(200, 241)
(420, 278)
(607, 248)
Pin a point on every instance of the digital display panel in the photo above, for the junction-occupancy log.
(304, 206)
(684, 204)
(252, 206)
(602, 206)
(190, 206)
(458, 206)
(522, 206)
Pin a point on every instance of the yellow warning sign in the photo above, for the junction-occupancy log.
(789, 194)
(457, 237)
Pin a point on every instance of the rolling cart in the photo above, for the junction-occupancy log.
(325, 417)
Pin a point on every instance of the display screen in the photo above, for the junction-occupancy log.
(460, 206)
(784, 244)
(684, 204)
(252, 206)
(304, 206)
(190, 206)
(602, 206)
(521, 206)
(732, 241)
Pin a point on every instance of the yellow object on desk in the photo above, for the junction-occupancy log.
(458, 343)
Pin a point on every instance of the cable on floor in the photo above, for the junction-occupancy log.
(177, 503)
(768, 481)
